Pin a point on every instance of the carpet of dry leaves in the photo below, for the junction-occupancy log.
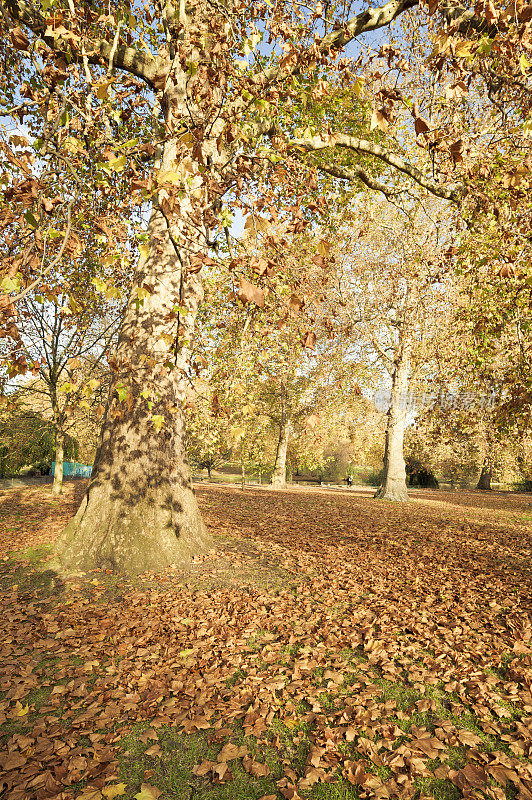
(331, 646)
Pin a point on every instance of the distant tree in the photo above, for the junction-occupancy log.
(66, 341)
(28, 440)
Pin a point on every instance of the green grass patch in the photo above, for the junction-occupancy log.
(171, 769)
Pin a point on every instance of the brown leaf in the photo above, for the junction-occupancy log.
(249, 293)
(524, 14)
(203, 768)
(309, 340)
(12, 761)
(429, 745)
(255, 767)
(312, 776)
(230, 751)
(502, 774)
(295, 303)
(222, 772)
(19, 40)
(466, 737)
(421, 126)
(319, 261)
(474, 775)
(355, 773)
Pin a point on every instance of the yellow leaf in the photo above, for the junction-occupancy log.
(102, 92)
(144, 250)
(169, 176)
(148, 792)
(116, 164)
(358, 88)
(157, 421)
(290, 722)
(114, 791)
(324, 248)
(22, 710)
(463, 49)
(524, 63)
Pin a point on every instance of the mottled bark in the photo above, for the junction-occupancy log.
(140, 512)
(279, 470)
(484, 482)
(57, 487)
(393, 486)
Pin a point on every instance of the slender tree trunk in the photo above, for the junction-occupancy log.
(140, 511)
(279, 470)
(242, 469)
(57, 487)
(393, 486)
(484, 482)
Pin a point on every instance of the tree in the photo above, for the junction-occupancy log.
(66, 339)
(27, 440)
(207, 428)
(392, 276)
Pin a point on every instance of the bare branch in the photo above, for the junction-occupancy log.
(52, 263)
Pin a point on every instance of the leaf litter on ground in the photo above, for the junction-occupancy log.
(330, 647)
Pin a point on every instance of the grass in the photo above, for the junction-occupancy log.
(171, 770)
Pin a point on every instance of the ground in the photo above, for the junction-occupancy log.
(331, 647)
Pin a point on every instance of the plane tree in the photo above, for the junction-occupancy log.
(396, 290)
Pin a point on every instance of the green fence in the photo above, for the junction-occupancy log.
(71, 469)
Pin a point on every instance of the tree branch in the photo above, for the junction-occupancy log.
(367, 21)
(354, 173)
(365, 147)
(52, 263)
(125, 58)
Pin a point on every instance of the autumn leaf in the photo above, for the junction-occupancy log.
(12, 761)
(116, 790)
(204, 768)
(19, 39)
(379, 120)
(295, 303)
(231, 751)
(148, 792)
(421, 126)
(249, 293)
(309, 340)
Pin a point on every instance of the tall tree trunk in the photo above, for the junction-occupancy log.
(484, 482)
(393, 486)
(57, 487)
(279, 470)
(140, 511)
